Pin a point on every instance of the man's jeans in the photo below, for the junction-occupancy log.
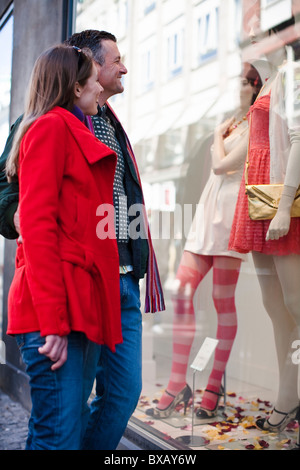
(119, 375)
(59, 398)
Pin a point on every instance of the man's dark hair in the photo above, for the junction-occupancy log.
(92, 39)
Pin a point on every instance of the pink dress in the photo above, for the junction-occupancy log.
(250, 235)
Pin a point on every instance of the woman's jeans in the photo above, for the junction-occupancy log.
(59, 412)
(119, 375)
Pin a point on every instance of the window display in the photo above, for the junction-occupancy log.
(198, 98)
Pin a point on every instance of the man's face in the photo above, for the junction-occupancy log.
(112, 70)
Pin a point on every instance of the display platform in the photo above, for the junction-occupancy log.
(232, 429)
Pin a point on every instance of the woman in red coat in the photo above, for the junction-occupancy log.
(64, 300)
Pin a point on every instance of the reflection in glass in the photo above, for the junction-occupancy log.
(184, 62)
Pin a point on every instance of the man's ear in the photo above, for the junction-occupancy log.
(77, 90)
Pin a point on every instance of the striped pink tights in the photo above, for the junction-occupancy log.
(193, 268)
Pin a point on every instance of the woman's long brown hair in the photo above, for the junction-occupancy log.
(52, 83)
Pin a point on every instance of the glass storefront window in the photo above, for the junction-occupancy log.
(6, 43)
(185, 62)
(6, 35)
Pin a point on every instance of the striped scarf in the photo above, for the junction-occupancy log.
(154, 300)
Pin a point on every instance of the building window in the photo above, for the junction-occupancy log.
(147, 69)
(149, 5)
(175, 46)
(207, 30)
(237, 23)
(122, 18)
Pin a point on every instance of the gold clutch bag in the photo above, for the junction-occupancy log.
(263, 200)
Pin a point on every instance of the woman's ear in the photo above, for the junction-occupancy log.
(77, 90)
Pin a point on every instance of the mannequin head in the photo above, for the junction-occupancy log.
(269, 45)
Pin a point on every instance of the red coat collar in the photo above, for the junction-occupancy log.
(91, 147)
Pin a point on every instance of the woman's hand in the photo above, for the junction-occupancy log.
(224, 127)
(56, 349)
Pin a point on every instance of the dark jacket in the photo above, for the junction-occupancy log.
(9, 192)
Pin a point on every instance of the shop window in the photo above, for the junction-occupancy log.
(6, 34)
(171, 148)
(171, 128)
(145, 153)
(6, 44)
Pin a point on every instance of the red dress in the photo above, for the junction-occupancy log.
(250, 235)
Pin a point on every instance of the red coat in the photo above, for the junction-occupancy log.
(66, 278)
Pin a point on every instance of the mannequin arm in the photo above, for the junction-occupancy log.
(280, 225)
(235, 158)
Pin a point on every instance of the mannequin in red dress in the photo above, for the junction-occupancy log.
(275, 249)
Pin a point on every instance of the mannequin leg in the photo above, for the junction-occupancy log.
(288, 269)
(279, 277)
(225, 276)
(191, 271)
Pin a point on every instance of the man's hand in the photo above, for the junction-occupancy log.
(17, 220)
(56, 349)
(17, 224)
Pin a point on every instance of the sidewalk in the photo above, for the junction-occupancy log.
(13, 424)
